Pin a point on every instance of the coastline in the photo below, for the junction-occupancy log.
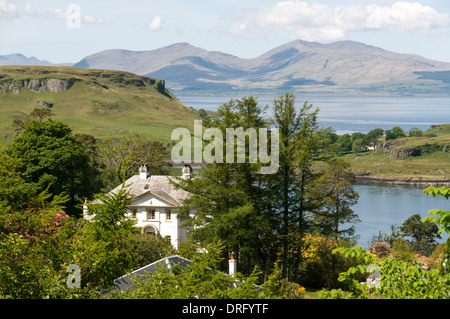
(412, 181)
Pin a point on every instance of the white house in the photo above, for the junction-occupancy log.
(156, 202)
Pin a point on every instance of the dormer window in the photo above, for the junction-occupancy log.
(146, 186)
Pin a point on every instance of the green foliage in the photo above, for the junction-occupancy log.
(441, 218)
(321, 267)
(394, 133)
(123, 155)
(415, 132)
(421, 235)
(105, 249)
(373, 136)
(38, 114)
(402, 275)
(340, 196)
(53, 159)
(233, 209)
(277, 287)
(401, 280)
(344, 144)
(16, 194)
(150, 248)
(199, 280)
(397, 279)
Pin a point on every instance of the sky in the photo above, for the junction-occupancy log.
(63, 31)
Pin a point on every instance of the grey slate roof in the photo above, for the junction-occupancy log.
(125, 282)
(159, 185)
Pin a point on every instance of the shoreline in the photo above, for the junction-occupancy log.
(412, 181)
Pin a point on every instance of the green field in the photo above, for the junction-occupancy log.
(99, 102)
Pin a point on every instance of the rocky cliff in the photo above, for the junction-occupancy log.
(36, 85)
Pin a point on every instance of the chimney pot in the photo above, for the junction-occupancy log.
(143, 172)
(232, 265)
(186, 171)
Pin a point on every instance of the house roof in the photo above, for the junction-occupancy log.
(158, 185)
(125, 282)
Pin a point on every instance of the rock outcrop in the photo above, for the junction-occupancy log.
(35, 85)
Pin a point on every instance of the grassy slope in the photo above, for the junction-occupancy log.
(432, 166)
(100, 102)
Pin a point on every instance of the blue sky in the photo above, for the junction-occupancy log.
(49, 30)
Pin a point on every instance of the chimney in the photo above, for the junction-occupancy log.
(143, 172)
(186, 171)
(232, 266)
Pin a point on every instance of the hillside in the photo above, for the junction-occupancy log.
(97, 102)
(407, 160)
(344, 67)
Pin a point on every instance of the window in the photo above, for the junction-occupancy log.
(168, 239)
(168, 214)
(150, 214)
(150, 230)
(134, 213)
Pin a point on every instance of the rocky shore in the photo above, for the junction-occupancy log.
(413, 181)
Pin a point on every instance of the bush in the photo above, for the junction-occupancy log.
(380, 249)
(321, 267)
(394, 133)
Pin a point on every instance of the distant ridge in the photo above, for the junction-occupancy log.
(20, 59)
(343, 67)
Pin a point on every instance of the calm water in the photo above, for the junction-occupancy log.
(355, 114)
(378, 207)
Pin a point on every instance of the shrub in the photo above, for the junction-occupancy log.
(321, 267)
(380, 249)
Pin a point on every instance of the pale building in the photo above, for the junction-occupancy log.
(156, 202)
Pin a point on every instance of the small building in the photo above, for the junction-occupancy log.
(156, 202)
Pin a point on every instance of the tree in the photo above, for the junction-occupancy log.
(421, 236)
(233, 208)
(394, 133)
(373, 136)
(344, 144)
(358, 146)
(340, 197)
(54, 160)
(123, 155)
(293, 185)
(415, 132)
(15, 193)
(38, 114)
(104, 248)
(358, 136)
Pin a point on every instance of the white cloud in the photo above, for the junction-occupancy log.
(92, 20)
(30, 10)
(321, 22)
(59, 13)
(155, 24)
(407, 16)
(8, 10)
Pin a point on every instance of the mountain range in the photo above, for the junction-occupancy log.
(343, 67)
